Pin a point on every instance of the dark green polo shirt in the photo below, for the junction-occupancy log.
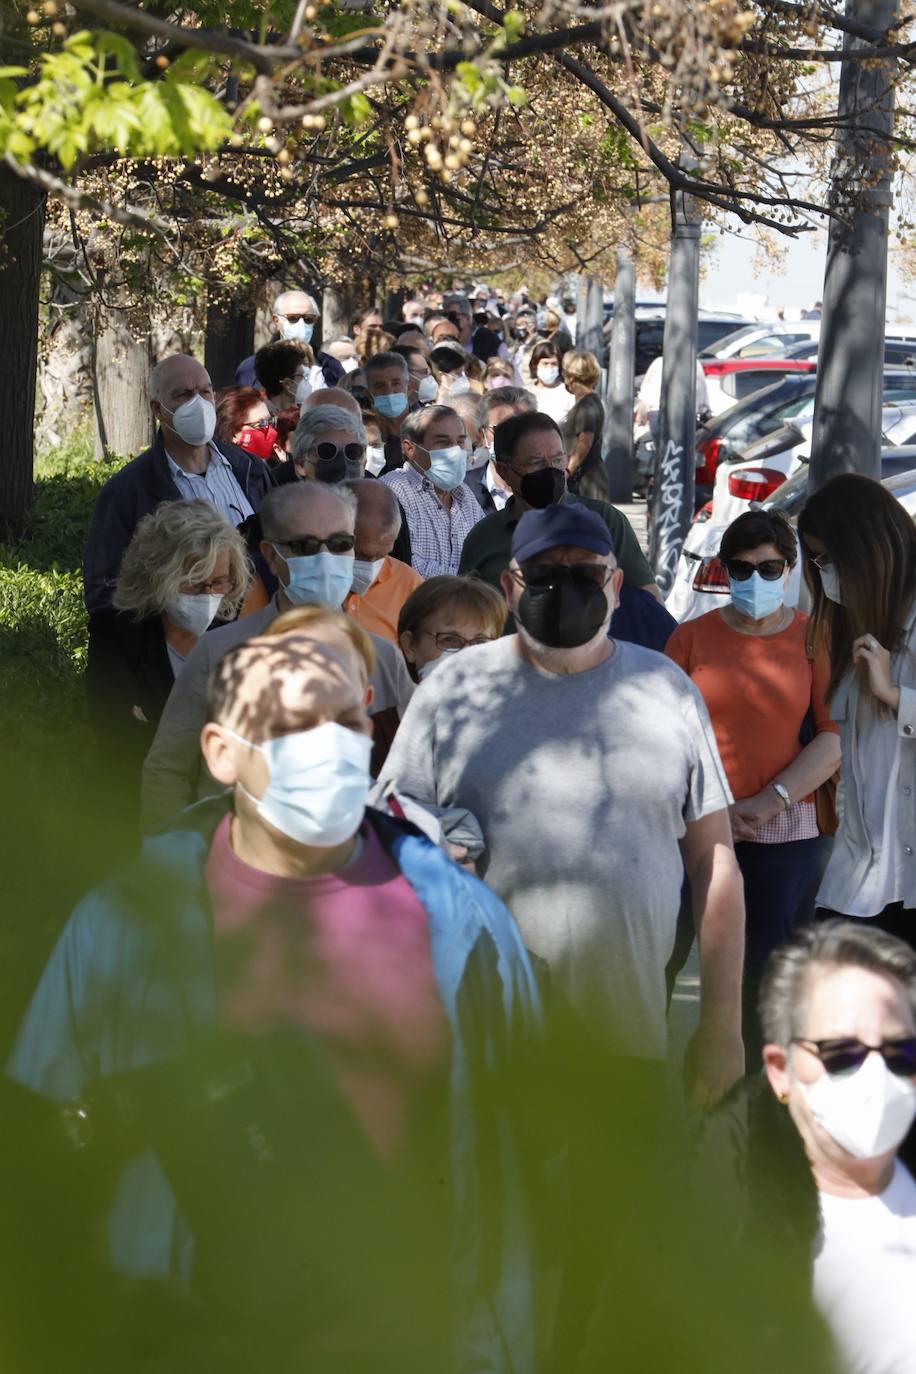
(488, 547)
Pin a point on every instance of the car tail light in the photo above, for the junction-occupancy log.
(708, 452)
(716, 369)
(703, 514)
(755, 484)
(710, 576)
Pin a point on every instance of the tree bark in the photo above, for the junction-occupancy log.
(123, 420)
(22, 213)
(229, 338)
(338, 306)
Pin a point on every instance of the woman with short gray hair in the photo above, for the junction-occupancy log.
(329, 445)
(184, 567)
(812, 1162)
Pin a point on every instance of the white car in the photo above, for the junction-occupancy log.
(771, 340)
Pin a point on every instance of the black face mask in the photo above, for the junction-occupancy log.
(543, 488)
(565, 612)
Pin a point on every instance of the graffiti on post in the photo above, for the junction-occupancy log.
(670, 516)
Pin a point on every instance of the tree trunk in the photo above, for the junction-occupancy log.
(229, 339)
(123, 420)
(65, 373)
(338, 306)
(22, 211)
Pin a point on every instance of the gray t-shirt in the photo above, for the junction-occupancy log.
(583, 784)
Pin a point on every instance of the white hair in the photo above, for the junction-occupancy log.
(279, 500)
(285, 295)
(322, 420)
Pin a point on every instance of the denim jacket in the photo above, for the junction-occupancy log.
(851, 854)
(122, 991)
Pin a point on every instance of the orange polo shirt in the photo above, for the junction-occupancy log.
(757, 689)
(378, 610)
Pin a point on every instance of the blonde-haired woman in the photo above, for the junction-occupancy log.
(184, 567)
(583, 427)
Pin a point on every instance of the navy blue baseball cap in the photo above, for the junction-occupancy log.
(575, 526)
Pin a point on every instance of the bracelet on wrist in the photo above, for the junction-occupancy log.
(782, 794)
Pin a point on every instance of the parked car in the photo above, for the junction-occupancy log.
(701, 582)
(763, 340)
(725, 437)
(731, 379)
(650, 334)
(897, 352)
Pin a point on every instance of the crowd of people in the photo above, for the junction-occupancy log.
(424, 769)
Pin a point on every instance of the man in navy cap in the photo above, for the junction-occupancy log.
(592, 769)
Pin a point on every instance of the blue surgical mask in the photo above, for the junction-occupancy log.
(319, 579)
(447, 467)
(391, 406)
(298, 329)
(757, 598)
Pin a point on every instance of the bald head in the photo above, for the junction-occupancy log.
(378, 518)
(332, 396)
(300, 509)
(178, 372)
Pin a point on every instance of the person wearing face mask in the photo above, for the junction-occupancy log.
(496, 405)
(439, 510)
(811, 1165)
(444, 616)
(329, 445)
(422, 387)
(530, 457)
(381, 583)
(351, 977)
(375, 447)
(184, 568)
(288, 374)
(860, 567)
(752, 663)
(388, 384)
(184, 462)
(344, 352)
(295, 318)
(308, 542)
(549, 389)
(242, 418)
(592, 770)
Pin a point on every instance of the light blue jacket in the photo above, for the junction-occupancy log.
(131, 981)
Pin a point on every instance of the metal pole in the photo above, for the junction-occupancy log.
(581, 308)
(850, 366)
(672, 498)
(618, 407)
(590, 335)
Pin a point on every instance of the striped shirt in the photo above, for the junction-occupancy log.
(217, 485)
(436, 535)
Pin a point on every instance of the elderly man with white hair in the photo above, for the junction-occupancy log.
(329, 445)
(183, 462)
(295, 315)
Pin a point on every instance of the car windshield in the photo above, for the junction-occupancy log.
(737, 336)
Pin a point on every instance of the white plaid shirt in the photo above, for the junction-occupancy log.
(797, 822)
(217, 484)
(436, 535)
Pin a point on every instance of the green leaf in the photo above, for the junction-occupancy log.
(355, 109)
(516, 95)
(8, 72)
(513, 26)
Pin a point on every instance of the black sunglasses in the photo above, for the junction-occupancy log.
(546, 575)
(294, 319)
(771, 569)
(326, 451)
(309, 544)
(838, 1056)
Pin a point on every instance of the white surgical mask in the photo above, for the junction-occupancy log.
(303, 390)
(427, 390)
(375, 459)
(479, 457)
(548, 373)
(424, 672)
(318, 783)
(830, 581)
(319, 579)
(460, 386)
(299, 330)
(349, 364)
(365, 571)
(868, 1111)
(193, 613)
(447, 467)
(194, 421)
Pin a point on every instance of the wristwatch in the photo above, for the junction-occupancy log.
(782, 794)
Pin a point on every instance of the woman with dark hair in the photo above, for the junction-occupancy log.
(810, 1165)
(860, 567)
(242, 418)
(550, 392)
(751, 662)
